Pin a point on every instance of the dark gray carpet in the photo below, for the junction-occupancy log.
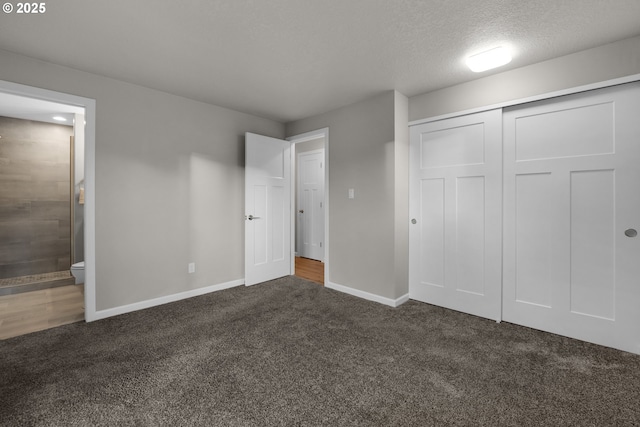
(289, 352)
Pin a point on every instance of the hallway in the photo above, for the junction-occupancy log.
(310, 269)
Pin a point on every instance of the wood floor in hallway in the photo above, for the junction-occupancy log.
(310, 269)
(33, 311)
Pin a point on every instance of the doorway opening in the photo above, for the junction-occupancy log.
(310, 205)
(42, 212)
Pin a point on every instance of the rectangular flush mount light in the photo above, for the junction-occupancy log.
(489, 59)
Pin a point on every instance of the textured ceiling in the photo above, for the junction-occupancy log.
(289, 59)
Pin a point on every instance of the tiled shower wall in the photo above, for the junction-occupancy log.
(35, 212)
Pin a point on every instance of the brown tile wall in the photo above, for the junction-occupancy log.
(35, 213)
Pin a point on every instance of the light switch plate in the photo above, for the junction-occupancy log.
(352, 193)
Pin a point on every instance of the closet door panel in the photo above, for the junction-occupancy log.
(571, 174)
(455, 204)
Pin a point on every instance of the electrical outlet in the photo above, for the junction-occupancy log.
(192, 267)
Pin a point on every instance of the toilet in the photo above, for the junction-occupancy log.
(77, 270)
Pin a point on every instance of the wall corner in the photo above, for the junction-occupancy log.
(401, 194)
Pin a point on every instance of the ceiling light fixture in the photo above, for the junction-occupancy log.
(489, 59)
(59, 118)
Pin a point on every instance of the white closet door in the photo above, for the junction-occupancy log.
(456, 206)
(571, 191)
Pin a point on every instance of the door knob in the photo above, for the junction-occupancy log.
(413, 221)
(631, 232)
(301, 211)
(251, 217)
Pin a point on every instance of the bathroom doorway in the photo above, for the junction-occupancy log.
(41, 213)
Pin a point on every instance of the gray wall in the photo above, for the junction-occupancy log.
(169, 183)
(362, 150)
(169, 172)
(602, 63)
(401, 195)
(35, 197)
(78, 178)
(314, 144)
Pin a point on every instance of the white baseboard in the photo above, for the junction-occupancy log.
(368, 296)
(404, 298)
(103, 314)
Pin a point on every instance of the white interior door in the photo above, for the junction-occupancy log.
(267, 208)
(572, 171)
(310, 230)
(456, 206)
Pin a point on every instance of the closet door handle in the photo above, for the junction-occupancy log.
(251, 217)
(631, 232)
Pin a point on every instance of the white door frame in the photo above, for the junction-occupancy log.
(89, 106)
(303, 137)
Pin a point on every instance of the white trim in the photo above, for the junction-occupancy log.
(103, 314)
(404, 298)
(368, 296)
(308, 136)
(548, 95)
(90, 283)
(89, 106)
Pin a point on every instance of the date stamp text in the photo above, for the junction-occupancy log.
(24, 8)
